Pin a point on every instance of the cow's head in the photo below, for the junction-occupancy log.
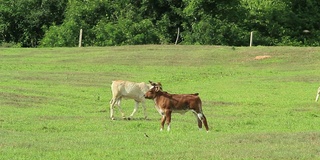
(152, 93)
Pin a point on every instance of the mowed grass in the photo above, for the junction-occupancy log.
(54, 103)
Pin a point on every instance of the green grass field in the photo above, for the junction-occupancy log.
(54, 103)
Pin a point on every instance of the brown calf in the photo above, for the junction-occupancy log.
(167, 103)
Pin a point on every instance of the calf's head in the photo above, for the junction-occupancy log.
(158, 84)
(152, 93)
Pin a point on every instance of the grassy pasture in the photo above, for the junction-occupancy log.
(54, 103)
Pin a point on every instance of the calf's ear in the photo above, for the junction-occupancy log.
(159, 85)
(152, 83)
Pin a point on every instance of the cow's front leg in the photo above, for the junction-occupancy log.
(158, 109)
(134, 110)
(163, 119)
(168, 119)
(144, 109)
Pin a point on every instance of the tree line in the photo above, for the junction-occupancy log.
(56, 23)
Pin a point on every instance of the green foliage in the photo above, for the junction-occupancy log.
(25, 21)
(211, 22)
(215, 32)
(163, 30)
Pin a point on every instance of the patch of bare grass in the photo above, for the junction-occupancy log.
(262, 57)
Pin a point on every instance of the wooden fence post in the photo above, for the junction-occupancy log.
(251, 38)
(80, 38)
(177, 36)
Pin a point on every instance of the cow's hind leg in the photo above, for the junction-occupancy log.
(198, 120)
(112, 103)
(120, 109)
(318, 93)
(204, 120)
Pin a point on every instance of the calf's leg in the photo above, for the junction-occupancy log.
(134, 110)
(144, 109)
(123, 115)
(204, 120)
(163, 119)
(168, 119)
(112, 103)
(199, 120)
(318, 92)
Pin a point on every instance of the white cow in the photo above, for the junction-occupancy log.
(318, 93)
(131, 90)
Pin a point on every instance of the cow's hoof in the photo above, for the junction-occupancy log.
(129, 118)
(113, 118)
